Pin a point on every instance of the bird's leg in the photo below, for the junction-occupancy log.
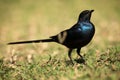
(78, 52)
(69, 55)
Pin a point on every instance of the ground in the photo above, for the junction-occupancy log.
(29, 20)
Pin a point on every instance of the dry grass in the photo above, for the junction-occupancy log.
(25, 20)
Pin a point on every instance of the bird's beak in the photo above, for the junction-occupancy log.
(91, 11)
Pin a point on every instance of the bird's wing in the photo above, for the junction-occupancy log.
(72, 34)
(60, 38)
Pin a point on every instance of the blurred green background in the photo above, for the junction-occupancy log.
(37, 19)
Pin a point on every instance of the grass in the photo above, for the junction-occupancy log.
(25, 20)
(99, 66)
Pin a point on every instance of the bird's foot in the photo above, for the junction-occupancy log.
(80, 61)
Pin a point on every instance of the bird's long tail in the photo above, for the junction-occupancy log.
(31, 41)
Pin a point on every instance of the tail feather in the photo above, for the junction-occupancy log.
(31, 41)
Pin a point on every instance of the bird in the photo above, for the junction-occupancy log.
(76, 37)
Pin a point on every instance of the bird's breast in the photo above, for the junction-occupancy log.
(87, 29)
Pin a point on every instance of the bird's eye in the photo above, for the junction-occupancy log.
(87, 12)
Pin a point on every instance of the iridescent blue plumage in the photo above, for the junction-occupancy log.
(79, 35)
(76, 37)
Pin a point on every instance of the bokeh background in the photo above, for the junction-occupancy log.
(38, 19)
